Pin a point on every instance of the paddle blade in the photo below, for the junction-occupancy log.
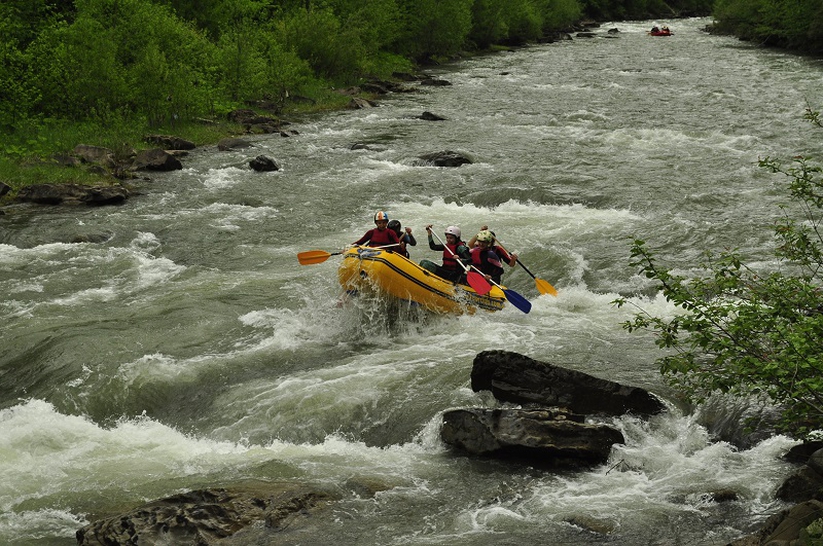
(517, 300)
(313, 257)
(478, 282)
(544, 287)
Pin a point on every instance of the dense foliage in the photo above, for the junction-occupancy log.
(744, 331)
(794, 24)
(158, 62)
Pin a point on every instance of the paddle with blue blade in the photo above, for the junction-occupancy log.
(515, 299)
(476, 280)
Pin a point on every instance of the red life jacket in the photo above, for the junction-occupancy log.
(480, 259)
(376, 237)
(449, 260)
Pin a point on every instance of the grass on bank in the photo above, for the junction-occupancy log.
(27, 153)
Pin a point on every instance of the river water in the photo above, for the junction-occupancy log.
(175, 342)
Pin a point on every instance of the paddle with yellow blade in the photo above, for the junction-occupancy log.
(543, 286)
(477, 281)
(311, 257)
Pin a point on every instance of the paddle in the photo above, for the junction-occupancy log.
(515, 299)
(477, 281)
(311, 257)
(542, 286)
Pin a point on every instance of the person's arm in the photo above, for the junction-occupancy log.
(463, 252)
(432, 244)
(365, 238)
(494, 259)
(410, 238)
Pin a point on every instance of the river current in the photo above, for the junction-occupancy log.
(175, 342)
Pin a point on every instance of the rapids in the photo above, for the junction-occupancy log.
(175, 342)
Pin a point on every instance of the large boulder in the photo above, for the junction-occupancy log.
(512, 377)
(264, 163)
(156, 159)
(543, 437)
(211, 515)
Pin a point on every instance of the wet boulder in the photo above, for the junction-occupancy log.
(542, 437)
(206, 516)
(512, 377)
(264, 163)
(446, 158)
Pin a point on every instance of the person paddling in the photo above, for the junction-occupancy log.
(381, 235)
(452, 250)
(484, 258)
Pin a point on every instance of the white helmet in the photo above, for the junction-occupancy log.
(453, 230)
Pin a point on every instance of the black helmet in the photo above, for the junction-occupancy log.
(394, 225)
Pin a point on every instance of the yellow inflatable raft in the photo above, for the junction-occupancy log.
(373, 270)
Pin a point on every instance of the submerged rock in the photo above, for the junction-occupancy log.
(446, 158)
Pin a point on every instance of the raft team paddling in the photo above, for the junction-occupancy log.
(468, 278)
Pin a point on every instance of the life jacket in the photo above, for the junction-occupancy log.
(382, 238)
(480, 260)
(449, 259)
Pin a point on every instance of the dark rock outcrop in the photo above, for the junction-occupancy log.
(210, 515)
(263, 163)
(543, 437)
(72, 194)
(512, 377)
(156, 159)
(446, 158)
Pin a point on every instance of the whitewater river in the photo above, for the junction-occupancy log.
(175, 342)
